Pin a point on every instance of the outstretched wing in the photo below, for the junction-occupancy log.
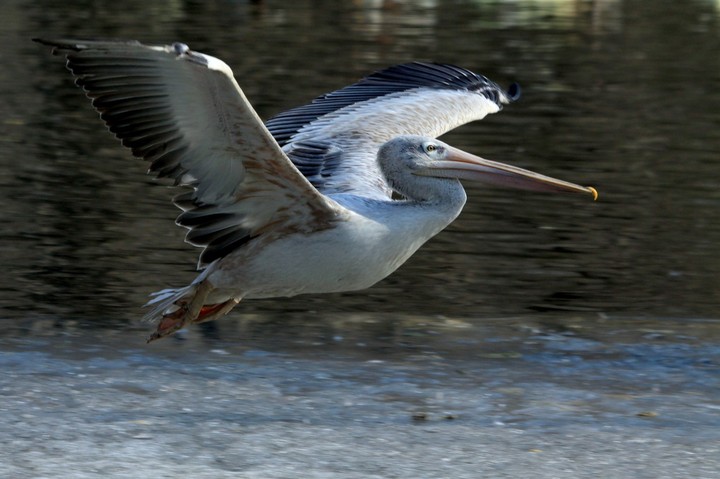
(334, 140)
(184, 112)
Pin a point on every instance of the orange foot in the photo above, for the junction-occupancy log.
(176, 320)
(208, 311)
(169, 324)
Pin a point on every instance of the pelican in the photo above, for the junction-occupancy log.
(328, 197)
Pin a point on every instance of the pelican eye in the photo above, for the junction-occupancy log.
(431, 148)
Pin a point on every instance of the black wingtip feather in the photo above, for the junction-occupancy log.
(219, 249)
(514, 92)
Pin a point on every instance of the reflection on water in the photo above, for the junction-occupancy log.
(611, 99)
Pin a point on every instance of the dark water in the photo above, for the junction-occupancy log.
(537, 333)
(623, 95)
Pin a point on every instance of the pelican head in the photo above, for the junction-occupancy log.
(407, 160)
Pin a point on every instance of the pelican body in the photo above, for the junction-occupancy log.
(303, 203)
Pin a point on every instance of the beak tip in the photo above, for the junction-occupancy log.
(594, 192)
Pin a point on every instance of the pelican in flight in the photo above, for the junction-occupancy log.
(305, 202)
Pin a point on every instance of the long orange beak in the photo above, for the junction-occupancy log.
(465, 166)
